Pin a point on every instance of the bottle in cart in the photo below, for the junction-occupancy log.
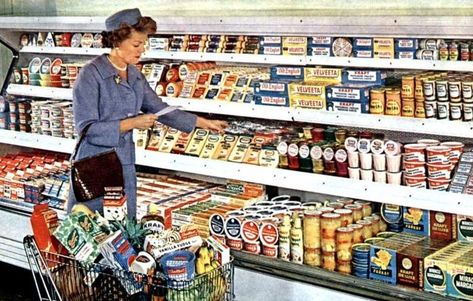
(285, 239)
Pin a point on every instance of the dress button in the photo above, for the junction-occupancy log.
(130, 114)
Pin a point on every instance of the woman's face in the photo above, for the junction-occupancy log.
(131, 49)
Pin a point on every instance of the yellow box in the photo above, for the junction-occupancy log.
(323, 75)
(307, 95)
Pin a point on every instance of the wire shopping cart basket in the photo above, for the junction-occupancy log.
(58, 277)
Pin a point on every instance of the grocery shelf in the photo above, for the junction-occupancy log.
(364, 287)
(379, 122)
(63, 145)
(64, 50)
(24, 208)
(38, 91)
(344, 187)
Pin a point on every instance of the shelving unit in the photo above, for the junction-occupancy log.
(370, 121)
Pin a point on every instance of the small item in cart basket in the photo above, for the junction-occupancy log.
(179, 265)
(143, 263)
(114, 204)
(44, 222)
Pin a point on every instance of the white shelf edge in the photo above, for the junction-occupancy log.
(399, 195)
(64, 50)
(63, 145)
(391, 123)
(38, 91)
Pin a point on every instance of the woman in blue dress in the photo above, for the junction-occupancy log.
(109, 95)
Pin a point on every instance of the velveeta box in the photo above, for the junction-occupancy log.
(416, 221)
(307, 95)
(324, 75)
(465, 228)
(443, 225)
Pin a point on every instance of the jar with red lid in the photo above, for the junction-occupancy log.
(317, 134)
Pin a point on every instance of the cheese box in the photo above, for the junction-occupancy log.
(320, 51)
(286, 73)
(320, 41)
(281, 101)
(465, 228)
(460, 278)
(325, 75)
(197, 142)
(383, 44)
(406, 44)
(270, 50)
(169, 140)
(210, 146)
(252, 155)
(156, 136)
(348, 92)
(443, 225)
(181, 143)
(271, 88)
(435, 274)
(240, 149)
(368, 77)
(362, 43)
(225, 147)
(410, 55)
(307, 95)
(265, 40)
(363, 53)
(416, 221)
(295, 49)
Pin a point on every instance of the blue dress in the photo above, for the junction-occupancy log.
(102, 102)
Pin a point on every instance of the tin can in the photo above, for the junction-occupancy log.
(393, 102)
(467, 90)
(430, 108)
(377, 101)
(429, 89)
(441, 88)
(443, 110)
(468, 112)
(340, 136)
(454, 90)
(464, 52)
(408, 108)
(419, 109)
(418, 88)
(408, 86)
(455, 111)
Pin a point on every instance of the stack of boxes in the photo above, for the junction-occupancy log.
(363, 47)
(270, 45)
(319, 46)
(383, 48)
(294, 45)
(405, 48)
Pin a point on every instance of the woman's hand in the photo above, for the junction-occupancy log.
(142, 122)
(213, 125)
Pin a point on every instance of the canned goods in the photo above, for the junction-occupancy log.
(419, 109)
(443, 110)
(408, 108)
(441, 88)
(429, 89)
(377, 101)
(393, 102)
(454, 90)
(418, 88)
(467, 90)
(455, 111)
(430, 108)
(408, 86)
(468, 112)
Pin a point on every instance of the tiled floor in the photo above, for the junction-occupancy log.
(17, 284)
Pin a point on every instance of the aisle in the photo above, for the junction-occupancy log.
(254, 286)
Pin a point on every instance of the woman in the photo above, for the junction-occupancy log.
(109, 94)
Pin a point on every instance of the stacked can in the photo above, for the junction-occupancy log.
(414, 165)
(392, 215)
(344, 242)
(329, 224)
(68, 122)
(441, 160)
(360, 260)
(24, 114)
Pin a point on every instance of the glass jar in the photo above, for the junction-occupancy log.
(329, 223)
(357, 210)
(366, 207)
(346, 216)
(367, 229)
(357, 233)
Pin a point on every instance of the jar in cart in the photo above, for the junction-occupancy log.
(311, 227)
(357, 233)
(329, 222)
(366, 207)
(357, 210)
(367, 229)
(346, 216)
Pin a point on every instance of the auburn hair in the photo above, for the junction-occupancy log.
(113, 38)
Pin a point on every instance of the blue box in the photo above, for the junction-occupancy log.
(367, 77)
(270, 50)
(287, 73)
(364, 43)
(272, 100)
(349, 92)
(319, 50)
(410, 55)
(320, 41)
(416, 221)
(272, 87)
(363, 53)
(337, 105)
(406, 44)
(377, 271)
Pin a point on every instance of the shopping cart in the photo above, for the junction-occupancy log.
(59, 277)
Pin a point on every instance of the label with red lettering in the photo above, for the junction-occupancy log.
(250, 231)
(269, 234)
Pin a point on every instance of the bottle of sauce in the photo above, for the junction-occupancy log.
(285, 239)
(297, 242)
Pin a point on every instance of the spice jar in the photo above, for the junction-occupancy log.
(311, 226)
(367, 230)
(329, 223)
(357, 210)
(357, 233)
(293, 156)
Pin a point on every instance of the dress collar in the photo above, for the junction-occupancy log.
(106, 69)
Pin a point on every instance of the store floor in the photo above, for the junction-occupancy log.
(17, 284)
(251, 286)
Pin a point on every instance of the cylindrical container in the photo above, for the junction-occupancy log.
(453, 51)
(429, 89)
(393, 102)
(468, 112)
(346, 216)
(293, 156)
(441, 89)
(419, 109)
(282, 150)
(456, 111)
(374, 223)
(344, 241)
(467, 90)
(328, 260)
(408, 86)
(366, 207)
(329, 223)
(285, 239)
(357, 211)
(454, 90)
(430, 108)
(408, 108)
(443, 110)
(317, 134)
(377, 101)
(297, 240)
(419, 89)
(464, 52)
(335, 205)
(367, 229)
(357, 233)
(304, 157)
(340, 136)
(311, 235)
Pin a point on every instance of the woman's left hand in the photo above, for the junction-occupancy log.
(213, 125)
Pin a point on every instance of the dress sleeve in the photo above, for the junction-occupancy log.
(86, 101)
(177, 119)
